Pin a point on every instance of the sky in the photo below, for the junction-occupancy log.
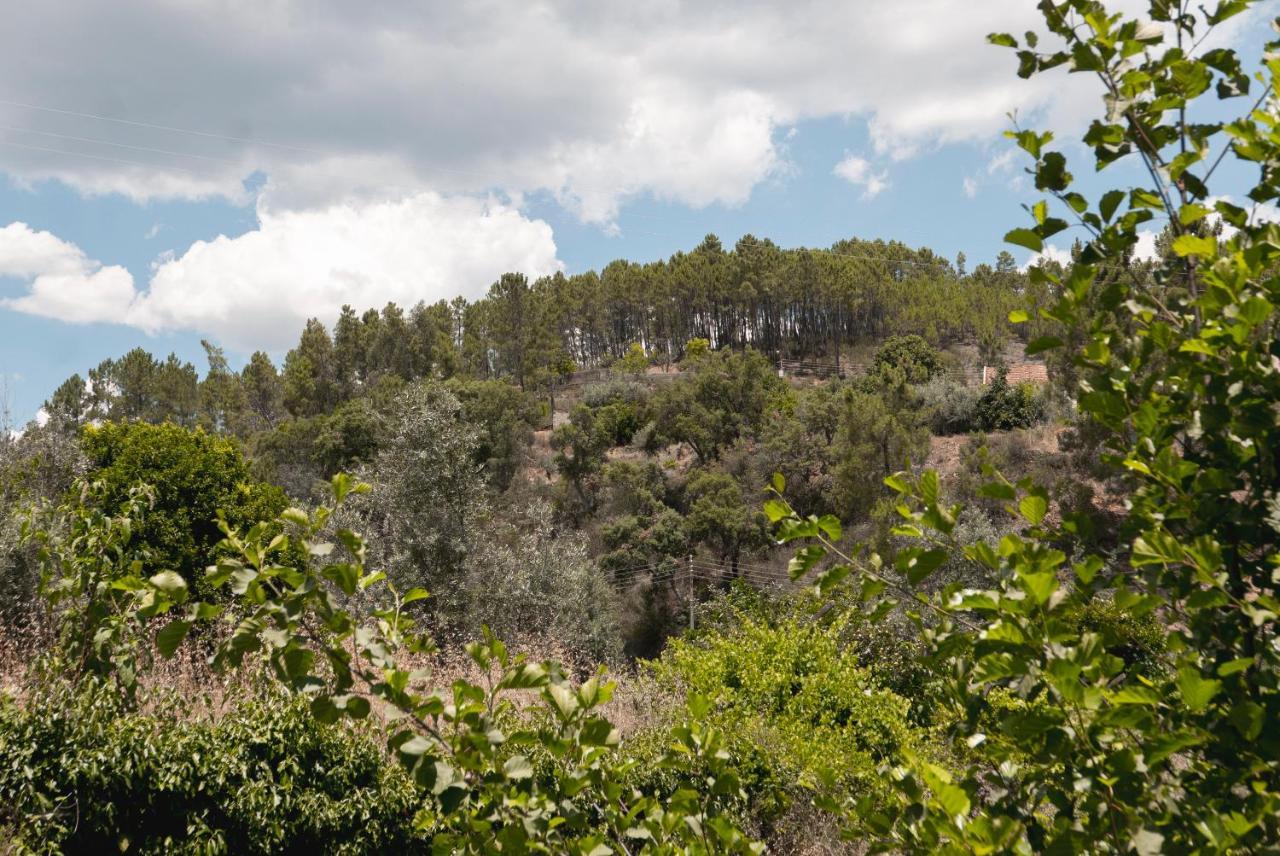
(225, 169)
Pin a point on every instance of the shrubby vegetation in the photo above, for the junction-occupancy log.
(1063, 642)
(80, 771)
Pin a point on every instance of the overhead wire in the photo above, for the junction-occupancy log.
(96, 141)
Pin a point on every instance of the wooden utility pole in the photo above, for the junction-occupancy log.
(690, 566)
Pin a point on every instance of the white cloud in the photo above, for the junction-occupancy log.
(256, 290)
(595, 102)
(970, 186)
(1050, 253)
(1145, 249)
(62, 282)
(1003, 162)
(860, 173)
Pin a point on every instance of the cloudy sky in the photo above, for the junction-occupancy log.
(172, 170)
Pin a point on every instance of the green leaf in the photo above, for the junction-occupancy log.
(1109, 203)
(1231, 667)
(1136, 695)
(170, 583)
(830, 526)
(1194, 245)
(517, 767)
(1033, 508)
(295, 515)
(776, 509)
(918, 564)
(1040, 585)
(1044, 343)
(1019, 316)
(1248, 716)
(1024, 238)
(898, 482)
(952, 798)
(413, 594)
(1196, 691)
(1191, 212)
(171, 636)
(804, 560)
(1003, 40)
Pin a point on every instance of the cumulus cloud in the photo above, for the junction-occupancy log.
(595, 102)
(1050, 253)
(61, 281)
(970, 187)
(1145, 249)
(257, 289)
(860, 173)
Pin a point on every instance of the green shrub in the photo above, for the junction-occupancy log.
(912, 355)
(79, 772)
(195, 475)
(952, 406)
(1002, 407)
(618, 423)
(613, 391)
(796, 705)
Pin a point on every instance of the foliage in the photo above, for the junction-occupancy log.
(470, 749)
(696, 348)
(80, 772)
(429, 493)
(802, 712)
(136, 386)
(1068, 746)
(952, 406)
(614, 391)
(529, 583)
(504, 417)
(580, 445)
(1002, 407)
(881, 430)
(634, 362)
(722, 397)
(617, 423)
(194, 477)
(719, 517)
(38, 467)
(911, 355)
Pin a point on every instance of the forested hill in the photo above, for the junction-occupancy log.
(798, 303)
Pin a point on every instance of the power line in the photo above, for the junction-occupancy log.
(92, 157)
(156, 127)
(95, 141)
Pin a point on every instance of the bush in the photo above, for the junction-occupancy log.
(79, 772)
(614, 391)
(795, 703)
(914, 356)
(196, 476)
(533, 584)
(39, 466)
(952, 406)
(617, 423)
(504, 417)
(634, 362)
(1002, 407)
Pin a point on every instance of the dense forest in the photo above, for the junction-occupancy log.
(733, 552)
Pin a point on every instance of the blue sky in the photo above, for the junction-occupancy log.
(344, 164)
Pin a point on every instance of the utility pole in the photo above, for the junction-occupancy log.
(690, 564)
